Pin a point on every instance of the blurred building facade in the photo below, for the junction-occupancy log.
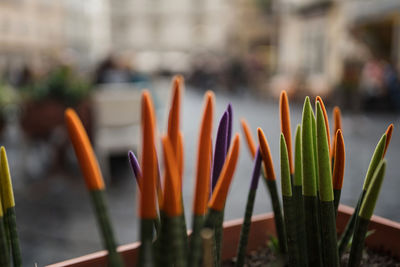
(324, 42)
(164, 35)
(253, 38)
(26, 35)
(86, 27)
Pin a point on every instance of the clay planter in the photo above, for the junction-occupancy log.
(386, 237)
(40, 118)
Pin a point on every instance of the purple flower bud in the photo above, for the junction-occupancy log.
(256, 171)
(220, 149)
(135, 166)
(230, 121)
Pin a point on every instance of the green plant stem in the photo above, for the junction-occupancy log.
(244, 234)
(178, 241)
(375, 160)
(312, 231)
(184, 227)
(326, 205)
(298, 200)
(104, 222)
(218, 231)
(328, 229)
(4, 248)
(195, 251)
(164, 255)
(365, 214)
(300, 224)
(358, 238)
(212, 220)
(291, 231)
(336, 201)
(12, 227)
(146, 250)
(278, 217)
(157, 225)
(348, 231)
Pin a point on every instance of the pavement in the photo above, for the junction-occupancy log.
(56, 221)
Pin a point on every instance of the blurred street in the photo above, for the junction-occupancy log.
(55, 218)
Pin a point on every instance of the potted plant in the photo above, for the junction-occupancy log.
(311, 189)
(46, 99)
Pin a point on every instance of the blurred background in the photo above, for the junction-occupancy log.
(96, 56)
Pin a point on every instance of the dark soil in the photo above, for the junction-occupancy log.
(264, 256)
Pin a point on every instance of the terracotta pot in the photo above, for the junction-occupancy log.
(40, 118)
(386, 237)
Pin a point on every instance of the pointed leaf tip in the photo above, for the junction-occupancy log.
(174, 113)
(319, 99)
(337, 120)
(6, 184)
(218, 197)
(298, 167)
(389, 132)
(84, 151)
(284, 111)
(376, 158)
(339, 161)
(220, 148)
(204, 158)
(149, 159)
(285, 170)
(230, 124)
(137, 171)
(249, 138)
(323, 159)
(307, 142)
(266, 155)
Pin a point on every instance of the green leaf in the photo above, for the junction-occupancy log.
(369, 202)
(309, 175)
(285, 170)
(298, 168)
(376, 158)
(324, 164)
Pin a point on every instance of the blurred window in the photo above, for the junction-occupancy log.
(313, 46)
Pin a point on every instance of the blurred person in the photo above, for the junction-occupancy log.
(372, 84)
(392, 83)
(24, 77)
(110, 70)
(236, 77)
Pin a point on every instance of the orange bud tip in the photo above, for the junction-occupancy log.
(149, 161)
(339, 161)
(249, 138)
(172, 191)
(266, 155)
(389, 132)
(84, 151)
(319, 99)
(220, 193)
(203, 169)
(284, 112)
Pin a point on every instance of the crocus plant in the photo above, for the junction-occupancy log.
(311, 174)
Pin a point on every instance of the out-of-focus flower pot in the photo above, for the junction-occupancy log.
(40, 118)
(386, 237)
